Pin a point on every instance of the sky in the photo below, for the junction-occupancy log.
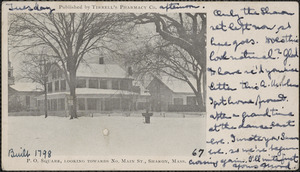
(143, 32)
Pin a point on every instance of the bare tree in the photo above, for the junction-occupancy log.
(36, 69)
(183, 51)
(69, 37)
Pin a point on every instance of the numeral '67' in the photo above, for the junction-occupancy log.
(200, 152)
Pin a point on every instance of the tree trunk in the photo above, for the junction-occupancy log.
(204, 87)
(200, 95)
(73, 110)
(200, 101)
(46, 101)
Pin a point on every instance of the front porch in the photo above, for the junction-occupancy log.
(87, 104)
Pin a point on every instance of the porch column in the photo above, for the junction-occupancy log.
(121, 104)
(59, 88)
(85, 104)
(87, 83)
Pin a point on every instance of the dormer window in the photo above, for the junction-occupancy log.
(56, 84)
(59, 74)
(101, 60)
(63, 85)
(54, 76)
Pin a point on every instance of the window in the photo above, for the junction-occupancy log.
(92, 104)
(126, 104)
(27, 101)
(115, 103)
(81, 104)
(81, 83)
(41, 104)
(101, 60)
(191, 100)
(63, 85)
(49, 87)
(54, 76)
(61, 104)
(56, 86)
(59, 75)
(129, 85)
(112, 104)
(136, 89)
(124, 85)
(100, 104)
(107, 104)
(49, 104)
(54, 104)
(115, 85)
(103, 84)
(178, 101)
(93, 83)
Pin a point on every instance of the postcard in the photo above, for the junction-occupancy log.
(150, 85)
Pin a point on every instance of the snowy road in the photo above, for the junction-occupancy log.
(126, 135)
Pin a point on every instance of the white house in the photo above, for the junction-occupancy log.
(171, 94)
(22, 96)
(100, 87)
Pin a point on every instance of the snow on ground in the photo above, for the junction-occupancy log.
(127, 135)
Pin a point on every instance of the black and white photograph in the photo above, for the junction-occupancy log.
(107, 83)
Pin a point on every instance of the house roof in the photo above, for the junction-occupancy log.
(27, 87)
(176, 85)
(101, 71)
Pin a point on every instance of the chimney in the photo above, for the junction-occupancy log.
(101, 60)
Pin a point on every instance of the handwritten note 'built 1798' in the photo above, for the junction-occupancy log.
(150, 86)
